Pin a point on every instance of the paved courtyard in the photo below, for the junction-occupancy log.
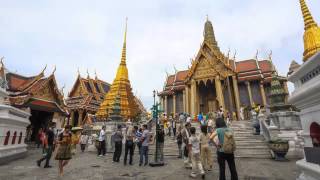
(88, 166)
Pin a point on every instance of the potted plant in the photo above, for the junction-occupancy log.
(279, 149)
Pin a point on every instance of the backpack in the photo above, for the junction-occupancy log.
(229, 144)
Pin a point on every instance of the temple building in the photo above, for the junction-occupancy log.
(85, 98)
(215, 80)
(37, 93)
(120, 87)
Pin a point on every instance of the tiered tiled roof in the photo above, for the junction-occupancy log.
(37, 92)
(246, 70)
(87, 93)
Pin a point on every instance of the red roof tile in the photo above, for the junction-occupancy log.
(15, 81)
(247, 65)
(182, 75)
(265, 65)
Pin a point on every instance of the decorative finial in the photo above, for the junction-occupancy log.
(207, 17)
(256, 56)
(2, 58)
(78, 71)
(54, 69)
(175, 69)
(44, 69)
(228, 55)
(95, 73)
(88, 76)
(234, 54)
(167, 73)
(270, 55)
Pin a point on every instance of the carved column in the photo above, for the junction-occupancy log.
(187, 99)
(249, 92)
(236, 95)
(174, 103)
(166, 104)
(80, 117)
(230, 97)
(184, 100)
(263, 94)
(193, 98)
(71, 120)
(219, 92)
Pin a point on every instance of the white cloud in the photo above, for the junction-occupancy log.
(162, 33)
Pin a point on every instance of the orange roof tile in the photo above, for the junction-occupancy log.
(265, 65)
(247, 65)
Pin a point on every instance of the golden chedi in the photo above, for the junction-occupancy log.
(120, 87)
(311, 35)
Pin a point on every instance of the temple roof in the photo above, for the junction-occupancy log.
(38, 92)
(87, 93)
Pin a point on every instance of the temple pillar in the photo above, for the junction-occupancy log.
(249, 92)
(174, 103)
(80, 117)
(184, 100)
(187, 99)
(166, 104)
(230, 97)
(236, 95)
(263, 94)
(219, 92)
(193, 98)
(71, 120)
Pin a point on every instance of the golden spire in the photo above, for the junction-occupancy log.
(208, 34)
(311, 35)
(124, 48)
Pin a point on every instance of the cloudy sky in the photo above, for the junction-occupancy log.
(85, 34)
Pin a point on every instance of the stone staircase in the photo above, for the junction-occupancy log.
(248, 145)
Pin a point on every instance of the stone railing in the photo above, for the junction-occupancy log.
(267, 127)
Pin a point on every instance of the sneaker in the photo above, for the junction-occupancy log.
(100, 155)
(194, 175)
(203, 176)
(47, 166)
(38, 163)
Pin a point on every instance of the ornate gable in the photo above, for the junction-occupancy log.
(209, 63)
(47, 89)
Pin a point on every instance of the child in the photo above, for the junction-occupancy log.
(206, 154)
(194, 147)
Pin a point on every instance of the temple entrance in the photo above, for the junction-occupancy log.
(39, 119)
(207, 97)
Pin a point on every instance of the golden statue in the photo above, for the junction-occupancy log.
(121, 85)
(311, 35)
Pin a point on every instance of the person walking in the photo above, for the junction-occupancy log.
(63, 154)
(102, 142)
(205, 150)
(174, 125)
(129, 144)
(160, 140)
(48, 144)
(185, 142)
(145, 138)
(83, 141)
(225, 149)
(194, 147)
(117, 138)
(179, 141)
(138, 138)
(39, 137)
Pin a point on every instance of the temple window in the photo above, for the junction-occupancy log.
(315, 134)
(20, 137)
(6, 140)
(14, 137)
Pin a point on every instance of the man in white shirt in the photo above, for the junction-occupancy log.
(102, 142)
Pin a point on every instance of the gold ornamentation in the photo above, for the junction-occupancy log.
(311, 35)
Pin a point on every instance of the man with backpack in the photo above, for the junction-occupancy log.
(185, 139)
(225, 149)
